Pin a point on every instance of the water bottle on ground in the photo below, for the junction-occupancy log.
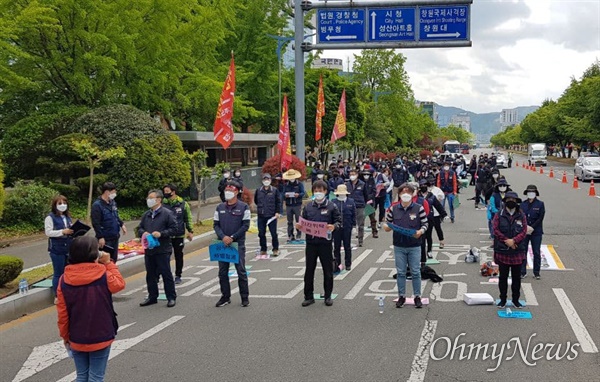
(23, 286)
(381, 304)
(508, 311)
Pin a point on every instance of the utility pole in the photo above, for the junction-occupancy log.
(299, 78)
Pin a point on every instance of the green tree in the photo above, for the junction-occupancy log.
(202, 175)
(1, 190)
(456, 133)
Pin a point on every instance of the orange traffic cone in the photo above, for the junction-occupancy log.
(551, 172)
(541, 169)
(516, 164)
(575, 183)
(533, 168)
(564, 178)
(592, 189)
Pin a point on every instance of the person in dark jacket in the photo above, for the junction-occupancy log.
(434, 206)
(183, 215)
(358, 192)
(160, 223)
(472, 169)
(535, 210)
(231, 222)
(223, 183)
(495, 203)
(268, 205)
(324, 211)
(399, 176)
(347, 208)
(407, 249)
(447, 181)
(510, 232)
(57, 227)
(335, 181)
(293, 192)
(367, 176)
(482, 176)
(106, 222)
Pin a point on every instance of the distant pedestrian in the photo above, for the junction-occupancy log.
(223, 183)
(183, 215)
(535, 210)
(106, 221)
(160, 223)
(87, 321)
(293, 192)
(268, 205)
(58, 229)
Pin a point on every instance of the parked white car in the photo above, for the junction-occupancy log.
(587, 168)
(501, 160)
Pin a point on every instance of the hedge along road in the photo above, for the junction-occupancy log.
(275, 338)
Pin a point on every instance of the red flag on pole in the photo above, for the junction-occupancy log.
(339, 129)
(320, 110)
(284, 145)
(223, 128)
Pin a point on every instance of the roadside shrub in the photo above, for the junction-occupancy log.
(10, 268)
(28, 203)
(272, 166)
(72, 192)
(84, 184)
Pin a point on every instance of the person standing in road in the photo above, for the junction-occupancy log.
(347, 208)
(161, 224)
(535, 211)
(358, 193)
(482, 177)
(223, 183)
(293, 192)
(399, 176)
(448, 182)
(106, 222)
(510, 233)
(183, 215)
(472, 169)
(435, 210)
(319, 210)
(268, 204)
(231, 222)
(87, 320)
(407, 249)
(367, 175)
(58, 229)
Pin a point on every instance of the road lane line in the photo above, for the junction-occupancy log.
(383, 257)
(419, 364)
(583, 336)
(200, 287)
(529, 295)
(360, 284)
(355, 264)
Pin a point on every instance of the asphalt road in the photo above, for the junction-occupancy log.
(276, 339)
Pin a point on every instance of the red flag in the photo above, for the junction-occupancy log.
(284, 145)
(320, 109)
(223, 128)
(339, 129)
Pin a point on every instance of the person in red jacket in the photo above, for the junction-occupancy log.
(87, 321)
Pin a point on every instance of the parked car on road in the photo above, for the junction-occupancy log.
(501, 161)
(587, 168)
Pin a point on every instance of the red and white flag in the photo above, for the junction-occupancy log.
(223, 128)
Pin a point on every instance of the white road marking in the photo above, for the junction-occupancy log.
(200, 287)
(419, 364)
(454, 274)
(287, 278)
(583, 336)
(436, 291)
(355, 264)
(385, 256)
(529, 295)
(360, 284)
(289, 295)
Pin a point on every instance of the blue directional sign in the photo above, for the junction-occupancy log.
(444, 23)
(341, 25)
(391, 24)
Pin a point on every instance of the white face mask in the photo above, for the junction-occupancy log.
(63, 207)
(367, 176)
(342, 197)
(112, 195)
(398, 166)
(229, 195)
(225, 175)
(531, 195)
(406, 198)
(446, 168)
(502, 188)
(353, 177)
(151, 202)
(266, 183)
(495, 176)
(320, 176)
(319, 196)
(238, 174)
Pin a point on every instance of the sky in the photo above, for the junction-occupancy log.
(523, 52)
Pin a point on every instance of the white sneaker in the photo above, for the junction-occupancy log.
(378, 225)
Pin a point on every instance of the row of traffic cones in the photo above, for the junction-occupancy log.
(526, 166)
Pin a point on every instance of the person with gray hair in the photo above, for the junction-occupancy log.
(159, 223)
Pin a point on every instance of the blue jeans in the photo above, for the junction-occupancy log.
(536, 244)
(262, 233)
(91, 366)
(412, 257)
(58, 265)
(450, 198)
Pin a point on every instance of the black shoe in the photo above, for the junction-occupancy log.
(299, 236)
(517, 304)
(348, 268)
(395, 277)
(501, 304)
(147, 302)
(245, 303)
(308, 301)
(400, 302)
(223, 301)
(452, 220)
(418, 303)
(537, 277)
(171, 303)
(328, 301)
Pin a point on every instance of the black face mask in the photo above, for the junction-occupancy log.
(167, 195)
(511, 204)
(423, 189)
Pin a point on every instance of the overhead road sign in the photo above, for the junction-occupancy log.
(444, 23)
(341, 25)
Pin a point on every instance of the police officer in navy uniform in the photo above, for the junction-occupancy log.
(534, 210)
(320, 210)
(106, 221)
(231, 221)
(268, 205)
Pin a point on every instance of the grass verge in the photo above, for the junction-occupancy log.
(33, 276)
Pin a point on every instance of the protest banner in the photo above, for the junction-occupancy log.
(309, 227)
(402, 231)
(220, 252)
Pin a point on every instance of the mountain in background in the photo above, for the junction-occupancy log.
(483, 125)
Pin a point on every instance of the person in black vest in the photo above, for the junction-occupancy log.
(106, 222)
(535, 211)
(324, 211)
(161, 224)
(447, 181)
(58, 229)
(407, 249)
(367, 176)
(268, 205)
(347, 208)
(87, 320)
(482, 176)
(334, 181)
(183, 215)
(231, 222)
(472, 169)
(510, 246)
(358, 192)
(293, 191)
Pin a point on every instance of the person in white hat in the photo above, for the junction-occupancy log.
(347, 208)
(293, 191)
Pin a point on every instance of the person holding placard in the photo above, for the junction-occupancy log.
(230, 222)
(268, 204)
(319, 210)
(57, 226)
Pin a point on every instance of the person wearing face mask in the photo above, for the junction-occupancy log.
(334, 182)
(399, 176)
(268, 205)
(313, 175)
(369, 179)
(358, 192)
(223, 183)
(347, 208)
(231, 222)
(437, 212)
(237, 176)
(510, 233)
(293, 192)
(472, 169)
(57, 226)
(490, 186)
(320, 210)
(162, 225)
(183, 214)
(448, 182)
(106, 222)
(407, 249)
(535, 211)
(482, 177)
(495, 203)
